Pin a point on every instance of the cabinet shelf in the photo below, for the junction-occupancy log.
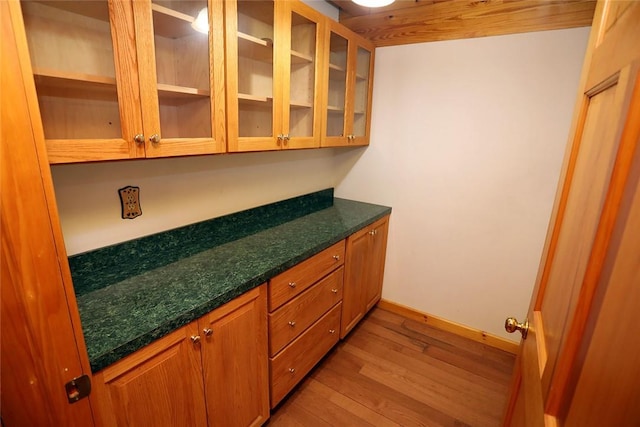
(300, 58)
(247, 99)
(361, 77)
(337, 72)
(255, 48)
(300, 104)
(91, 9)
(176, 95)
(334, 109)
(73, 85)
(171, 23)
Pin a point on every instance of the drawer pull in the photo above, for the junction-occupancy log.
(292, 370)
(292, 323)
(335, 291)
(336, 257)
(292, 284)
(332, 331)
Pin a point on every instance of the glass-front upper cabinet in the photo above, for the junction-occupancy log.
(82, 96)
(180, 46)
(121, 79)
(348, 85)
(272, 88)
(301, 59)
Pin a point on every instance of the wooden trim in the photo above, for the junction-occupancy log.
(449, 326)
(456, 19)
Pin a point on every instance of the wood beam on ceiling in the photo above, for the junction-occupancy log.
(425, 21)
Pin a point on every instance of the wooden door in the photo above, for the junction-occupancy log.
(561, 376)
(40, 350)
(85, 68)
(180, 47)
(235, 361)
(158, 385)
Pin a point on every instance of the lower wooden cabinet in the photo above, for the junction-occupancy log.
(363, 274)
(232, 365)
(212, 372)
(290, 366)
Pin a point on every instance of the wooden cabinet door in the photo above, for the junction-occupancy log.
(336, 84)
(301, 67)
(40, 351)
(356, 276)
(180, 47)
(348, 85)
(571, 366)
(360, 87)
(159, 385)
(84, 65)
(254, 99)
(373, 286)
(363, 272)
(235, 361)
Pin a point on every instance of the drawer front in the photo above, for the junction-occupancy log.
(290, 320)
(294, 281)
(297, 359)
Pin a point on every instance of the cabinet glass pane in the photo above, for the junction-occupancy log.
(302, 76)
(363, 62)
(337, 85)
(255, 68)
(72, 56)
(182, 66)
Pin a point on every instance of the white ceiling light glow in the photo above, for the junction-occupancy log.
(201, 23)
(373, 3)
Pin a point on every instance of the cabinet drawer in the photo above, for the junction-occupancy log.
(297, 359)
(294, 317)
(292, 282)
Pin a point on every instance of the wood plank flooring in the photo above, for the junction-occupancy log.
(393, 371)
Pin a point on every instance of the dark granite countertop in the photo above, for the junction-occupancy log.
(194, 273)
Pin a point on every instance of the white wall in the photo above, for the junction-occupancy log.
(180, 191)
(467, 143)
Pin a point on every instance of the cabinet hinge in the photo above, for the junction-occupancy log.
(78, 388)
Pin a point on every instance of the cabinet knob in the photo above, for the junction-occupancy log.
(292, 284)
(139, 138)
(336, 257)
(292, 370)
(279, 139)
(335, 291)
(155, 138)
(371, 233)
(292, 323)
(332, 331)
(286, 139)
(195, 339)
(207, 332)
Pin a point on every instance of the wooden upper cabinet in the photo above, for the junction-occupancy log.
(113, 76)
(273, 75)
(348, 83)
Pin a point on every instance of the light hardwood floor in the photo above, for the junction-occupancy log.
(393, 371)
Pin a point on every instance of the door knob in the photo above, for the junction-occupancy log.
(511, 325)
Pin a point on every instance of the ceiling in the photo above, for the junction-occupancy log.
(415, 21)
